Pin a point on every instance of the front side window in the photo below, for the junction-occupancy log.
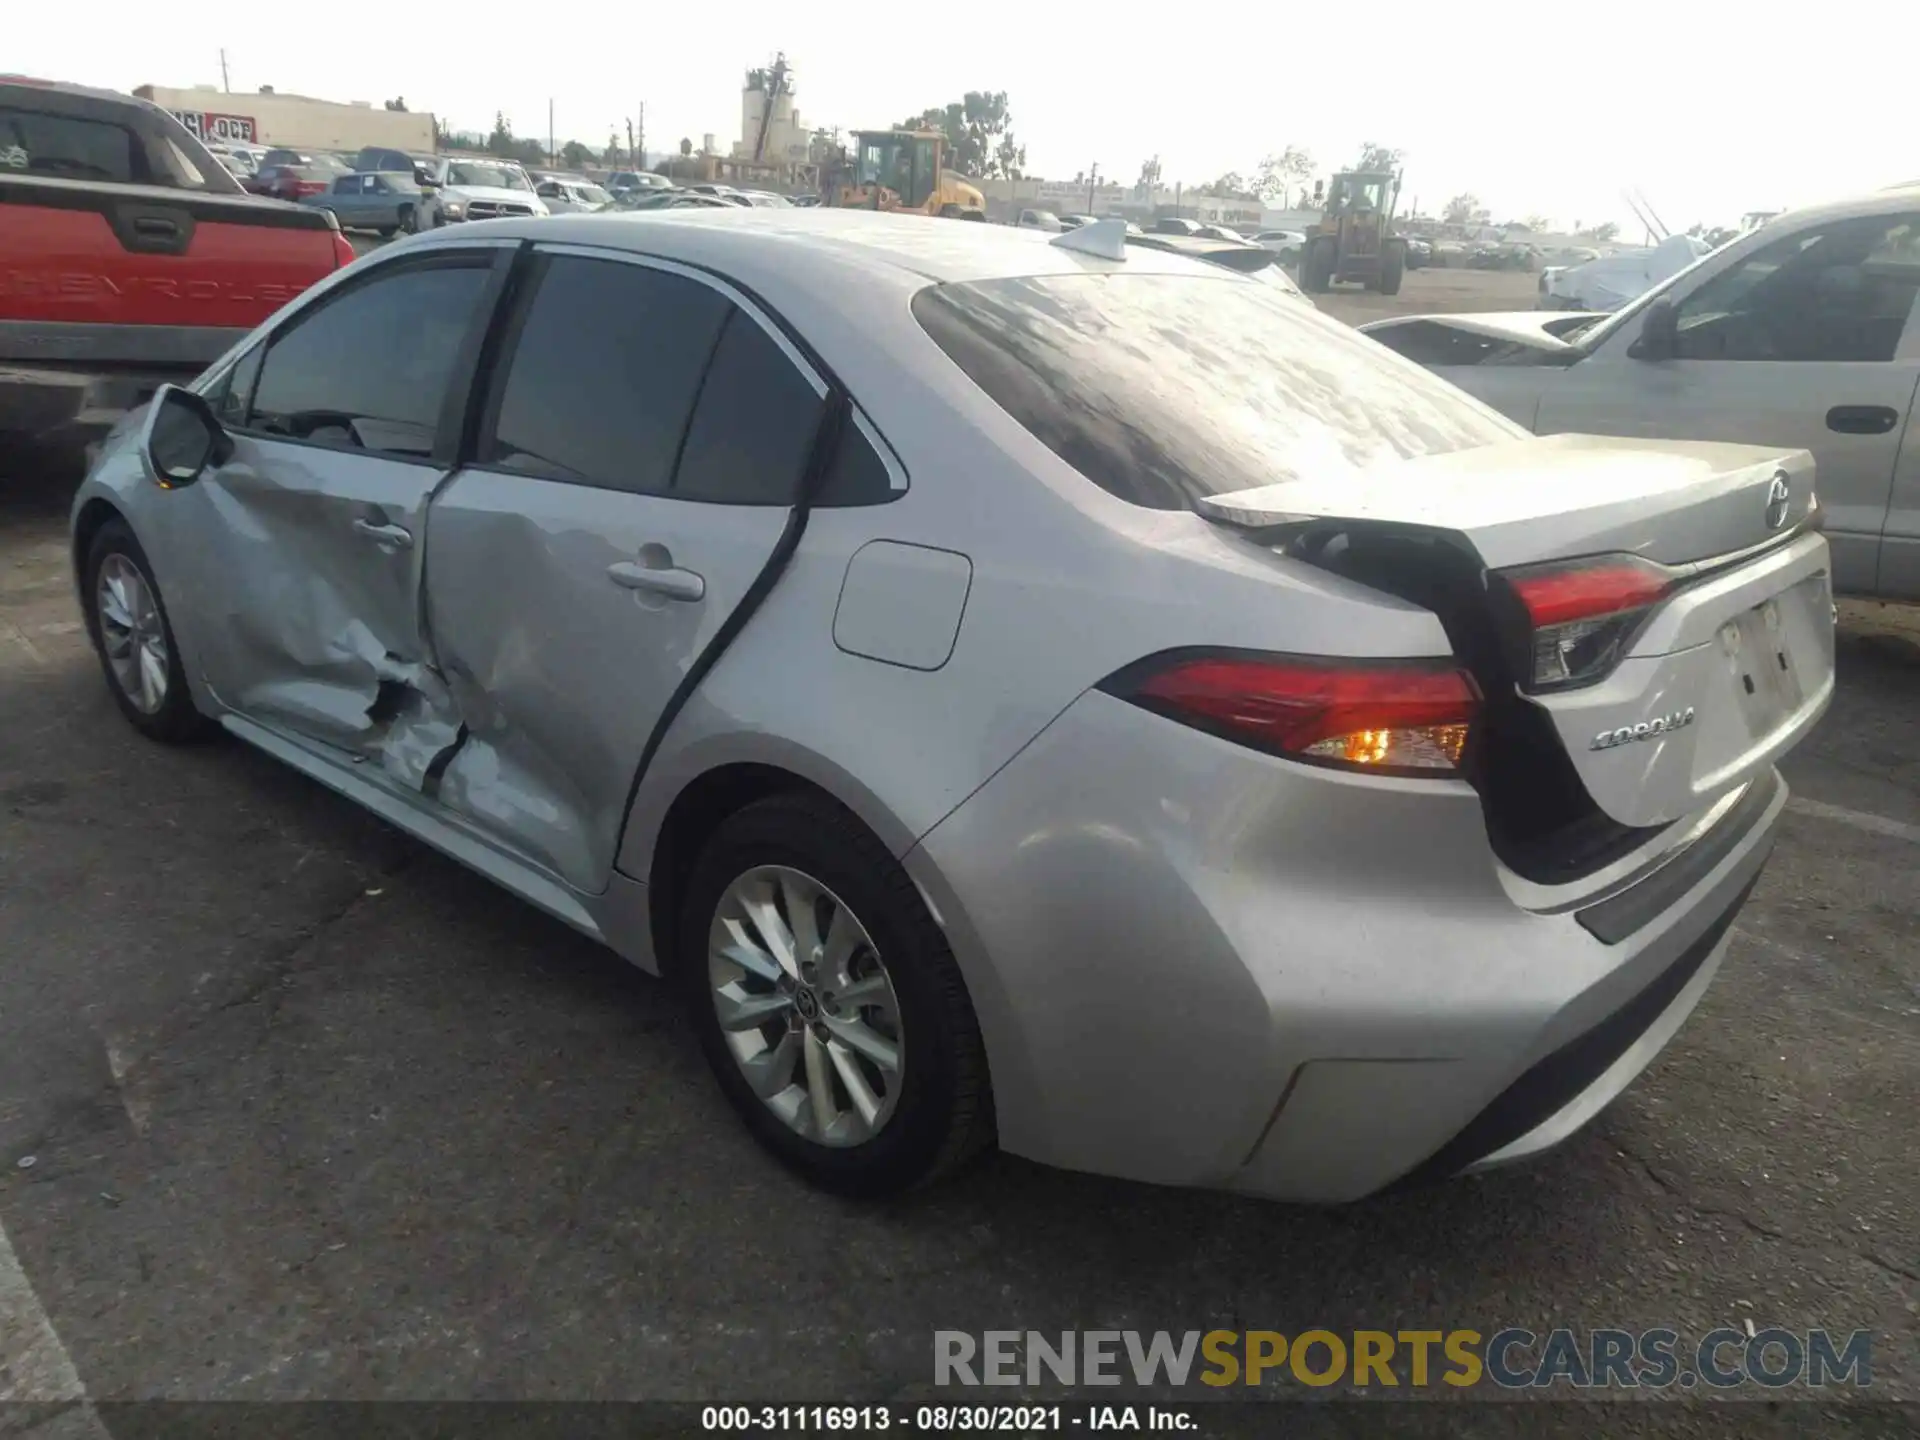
(603, 375)
(1842, 292)
(369, 369)
(1165, 388)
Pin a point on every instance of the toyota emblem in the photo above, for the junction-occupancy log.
(1779, 497)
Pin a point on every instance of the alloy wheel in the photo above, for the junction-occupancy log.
(132, 633)
(806, 1006)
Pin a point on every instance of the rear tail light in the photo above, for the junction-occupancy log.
(343, 255)
(1382, 717)
(1581, 614)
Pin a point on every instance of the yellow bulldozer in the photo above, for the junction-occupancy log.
(1354, 239)
(904, 170)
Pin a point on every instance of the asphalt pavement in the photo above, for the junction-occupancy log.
(291, 1106)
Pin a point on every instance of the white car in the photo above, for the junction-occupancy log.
(1805, 333)
(566, 196)
(1287, 244)
(482, 188)
(1039, 220)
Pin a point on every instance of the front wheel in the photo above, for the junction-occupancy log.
(828, 1002)
(409, 219)
(127, 620)
(1316, 266)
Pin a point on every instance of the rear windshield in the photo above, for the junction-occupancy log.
(1164, 389)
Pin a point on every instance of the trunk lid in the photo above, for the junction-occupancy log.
(1713, 678)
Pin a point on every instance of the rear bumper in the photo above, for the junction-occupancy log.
(1198, 965)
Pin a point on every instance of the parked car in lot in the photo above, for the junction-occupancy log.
(1198, 660)
(1039, 220)
(489, 189)
(1287, 244)
(1802, 333)
(623, 182)
(570, 197)
(767, 200)
(128, 257)
(394, 162)
(1174, 225)
(389, 204)
(291, 183)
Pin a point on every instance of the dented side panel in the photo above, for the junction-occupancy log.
(314, 624)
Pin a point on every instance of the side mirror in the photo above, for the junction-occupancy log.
(1659, 332)
(182, 438)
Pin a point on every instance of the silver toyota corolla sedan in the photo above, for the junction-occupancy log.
(1021, 687)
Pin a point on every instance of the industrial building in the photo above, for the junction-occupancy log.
(301, 122)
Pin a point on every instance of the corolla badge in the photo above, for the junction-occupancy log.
(1779, 498)
(1646, 730)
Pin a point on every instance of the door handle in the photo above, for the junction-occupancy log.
(397, 536)
(673, 583)
(1862, 419)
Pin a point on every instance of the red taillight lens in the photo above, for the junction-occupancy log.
(1582, 614)
(343, 255)
(1384, 717)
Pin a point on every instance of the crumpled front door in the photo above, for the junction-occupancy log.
(313, 563)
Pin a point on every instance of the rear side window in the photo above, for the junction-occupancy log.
(1166, 388)
(369, 370)
(755, 426)
(68, 147)
(603, 374)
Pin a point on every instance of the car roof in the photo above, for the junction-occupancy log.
(819, 246)
(1880, 202)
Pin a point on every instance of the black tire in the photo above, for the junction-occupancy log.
(944, 1116)
(1393, 267)
(1316, 265)
(409, 220)
(176, 721)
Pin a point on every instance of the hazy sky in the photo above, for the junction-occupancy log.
(1545, 109)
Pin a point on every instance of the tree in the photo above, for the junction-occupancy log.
(1464, 210)
(399, 103)
(500, 140)
(686, 147)
(1229, 184)
(1539, 224)
(613, 155)
(979, 134)
(1149, 180)
(1379, 157)
(1279, 174)
(1603, 232)
(575, 156)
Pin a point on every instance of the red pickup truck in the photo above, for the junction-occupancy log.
(129, 257)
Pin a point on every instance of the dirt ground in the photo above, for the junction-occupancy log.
(1435, 291)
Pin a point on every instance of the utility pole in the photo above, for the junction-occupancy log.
(550, 159)
(223, 72)
(1093, 180)
(640, 139)
(630, 149)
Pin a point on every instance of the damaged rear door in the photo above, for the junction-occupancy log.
(638, 458)
(314, 534)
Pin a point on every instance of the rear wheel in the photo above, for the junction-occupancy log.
(1316, 265)
(409, 220)
(127, 620)
(1393, 265)
(828, 1002)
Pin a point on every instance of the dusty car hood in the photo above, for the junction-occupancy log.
(1527, 327)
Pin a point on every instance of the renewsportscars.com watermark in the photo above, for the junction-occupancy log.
(1507, 1359)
